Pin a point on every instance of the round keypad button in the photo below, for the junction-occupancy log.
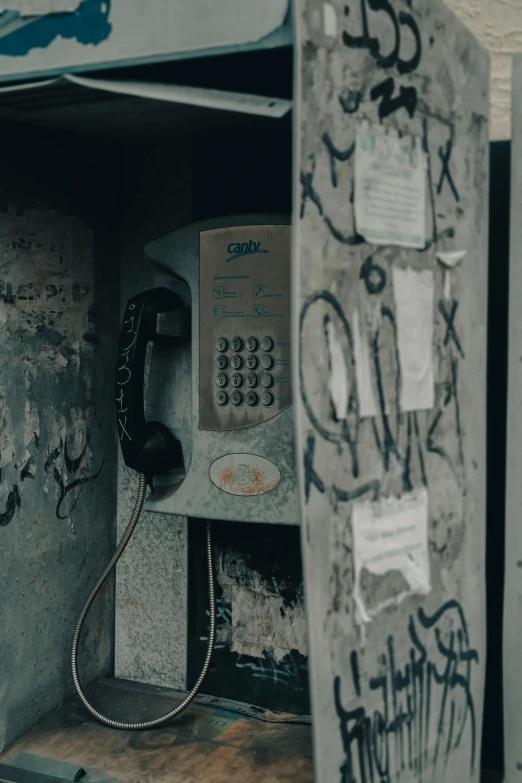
(252, 362)
(267, 398)
(222, 344)
(221, 379)
(252, 380)
(222, 398)
(252, 343)
(236, 362)
(267, 362)
(252, 398)
(267, 344)
(267, 380)
(237, 344)
(237, 398)
(237, 380)
(221, 362)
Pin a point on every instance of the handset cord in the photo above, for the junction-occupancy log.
(149, 724)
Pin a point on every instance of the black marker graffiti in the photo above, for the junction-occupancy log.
(13, 502)
(396, 435)
(449, 318)
(335, 154)
(373, 275)
(445, 173)
(124, 372)
(406, 99)
(308, 192)
(72, 466)
(407, 96)
(428, 696)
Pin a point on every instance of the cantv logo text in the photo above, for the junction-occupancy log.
(239, 249)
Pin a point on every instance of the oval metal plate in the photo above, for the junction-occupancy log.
(244, 474)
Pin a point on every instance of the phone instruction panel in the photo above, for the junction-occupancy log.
(245, 369)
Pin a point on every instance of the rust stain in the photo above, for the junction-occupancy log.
(258, 485)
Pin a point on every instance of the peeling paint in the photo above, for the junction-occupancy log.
(45, 261)
(32, 424)
(7, 449)
(261, 619)
(259, 625)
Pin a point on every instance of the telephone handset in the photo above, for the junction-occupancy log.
(159, 316)
(150, 448)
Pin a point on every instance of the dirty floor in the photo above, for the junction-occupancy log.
(206, 744)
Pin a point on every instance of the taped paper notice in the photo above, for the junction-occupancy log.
(338, 383)
(390, 188)
(40, 7)
(390, 551)
(365, 395)
(413, 293)
(449, 259)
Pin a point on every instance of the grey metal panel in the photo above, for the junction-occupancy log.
(175, 402)
(400, 697)
(512, 636)
(125, 32)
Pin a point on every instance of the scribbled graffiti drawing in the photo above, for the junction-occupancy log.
(88, 25)
(76, 478)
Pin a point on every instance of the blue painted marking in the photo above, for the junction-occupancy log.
(259, 290)
(243, 475)
(219, 291)
(89, 25)
(218, 311)
(259, 310)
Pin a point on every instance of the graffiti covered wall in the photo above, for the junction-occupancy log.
(390, 247)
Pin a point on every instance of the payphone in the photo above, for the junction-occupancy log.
(213, 435)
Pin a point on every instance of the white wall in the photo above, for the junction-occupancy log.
(498, 25)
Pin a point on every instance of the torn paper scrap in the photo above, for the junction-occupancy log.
(413, 293)
(390, 188)
(40, 7)
(338, 381)
(449, 259)
(363, 374)
(329, 20)
(390, 551)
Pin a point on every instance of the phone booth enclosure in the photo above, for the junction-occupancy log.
(77, 210)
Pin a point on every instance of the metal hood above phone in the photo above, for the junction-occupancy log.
(132, 109)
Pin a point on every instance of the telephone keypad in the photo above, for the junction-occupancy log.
(237, 398)
(252, 398)
(221, 379)
(222, 344)
(267, 398)
(252, 379)
(267, 380)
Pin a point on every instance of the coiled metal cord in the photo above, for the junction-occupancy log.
(149, 724)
